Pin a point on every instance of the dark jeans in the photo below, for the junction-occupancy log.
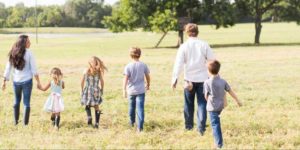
(137, 101)
(189, 100)
(24, 88)
(216, 127)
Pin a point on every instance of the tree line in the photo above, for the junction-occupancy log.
(74, 13)
(152, 15)
(165, 15)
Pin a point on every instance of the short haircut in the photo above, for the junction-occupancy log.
(135, 52)
(214, 67)
(191, 29)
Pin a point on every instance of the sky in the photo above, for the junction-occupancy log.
(42, 2)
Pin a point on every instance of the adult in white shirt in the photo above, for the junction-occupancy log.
(22, 64)
(192, 57)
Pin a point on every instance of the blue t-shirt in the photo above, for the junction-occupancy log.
(136, 80)
(214, 89)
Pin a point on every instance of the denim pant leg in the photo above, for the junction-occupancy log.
(18, 96)
(140, 103)
(132, 105)
(189, 100)
(216, 127)
(27, 89)
(201, 112)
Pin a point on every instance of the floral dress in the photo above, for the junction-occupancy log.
(91, 94)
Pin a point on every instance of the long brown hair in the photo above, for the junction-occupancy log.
(17, 52)
(99, 67)
(56, 75)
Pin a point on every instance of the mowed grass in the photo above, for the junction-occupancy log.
(266, 79)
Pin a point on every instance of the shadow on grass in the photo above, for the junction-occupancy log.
(235, 45)
(167, 125)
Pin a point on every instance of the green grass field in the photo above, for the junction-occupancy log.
(265, 78)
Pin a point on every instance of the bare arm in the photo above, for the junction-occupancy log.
(37, 78)
(82, 83)
(125, 82)
(46, 87)
(233, 95)
(148, 81)
(62, 84)
(101, 82)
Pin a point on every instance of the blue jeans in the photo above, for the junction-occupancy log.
(24, 88)
(189, 100)
(137, 101)
(216, 127)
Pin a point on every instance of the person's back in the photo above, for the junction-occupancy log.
(134, 87)
(56, 88)
(216, 87)
(27, 72)
(136, 72)
(214, 92)
(196, 53)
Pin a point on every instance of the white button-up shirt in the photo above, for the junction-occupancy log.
(26, 73)
(192, 57)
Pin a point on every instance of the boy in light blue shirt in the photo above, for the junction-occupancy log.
(134, 87)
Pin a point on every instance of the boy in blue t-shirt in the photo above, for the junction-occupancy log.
(134, 87)
(214, 92)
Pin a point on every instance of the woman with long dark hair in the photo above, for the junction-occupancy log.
(22, 64)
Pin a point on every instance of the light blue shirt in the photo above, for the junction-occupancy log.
(136, 72)
(26, 73)
(56, 88)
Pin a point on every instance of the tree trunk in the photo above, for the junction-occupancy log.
(258, 27)
(165, 33)
(180, 38)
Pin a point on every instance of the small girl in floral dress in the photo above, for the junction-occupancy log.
(92, 84)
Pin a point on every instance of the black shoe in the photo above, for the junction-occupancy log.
(90, 121)
(96, 126)
(97, 118)
(26, 116)
(16, 113)
(57, 120)
(89, 115)
(53, 120)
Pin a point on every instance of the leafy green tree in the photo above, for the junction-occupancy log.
(283, 9)
(85, 13)
(17, 17)
(50, 16)
(128, 15)
(3, 15)
(163, 22)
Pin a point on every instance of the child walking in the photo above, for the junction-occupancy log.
(214, 91)
(92, 85)
(54, 103)
(134, 87)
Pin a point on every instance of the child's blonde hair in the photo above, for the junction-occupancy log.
(98, 68)
(56, 75)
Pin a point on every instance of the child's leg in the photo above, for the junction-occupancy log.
(53, 119)
(97, 115)
(89, 114)
(216, 126)
(132, 106)
(140, 101)
(57, 119)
